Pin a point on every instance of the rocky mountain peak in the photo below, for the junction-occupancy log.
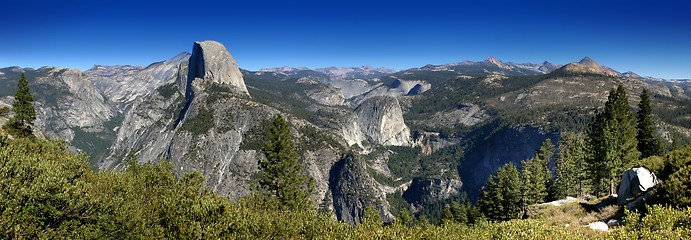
(588, 65)
(497, 63)
(588, 61)
(492, 61)
(210, 60)
(547, 67)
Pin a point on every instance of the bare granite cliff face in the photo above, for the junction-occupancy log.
(381, 121)
(428, 190)
(211, 60)
(147, 128)
(353, 189)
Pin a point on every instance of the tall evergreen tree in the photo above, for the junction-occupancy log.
(612, 138)
(460, 213)
(546, 151)
(24, 112)
(648, 144)
(446, 216)
(570, 167)
(404, 217)
(281, 174)
(544, 156)
(371, 217)
(501, 197)
(533, 187)
(490, 198)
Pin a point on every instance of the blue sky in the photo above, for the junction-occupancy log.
(652, 38)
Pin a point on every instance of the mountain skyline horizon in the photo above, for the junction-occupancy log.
(648, 38)
(489, 59)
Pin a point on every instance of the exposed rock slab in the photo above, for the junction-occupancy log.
(211, 60)
(381, 121)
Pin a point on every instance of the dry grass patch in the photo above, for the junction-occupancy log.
(575, 215)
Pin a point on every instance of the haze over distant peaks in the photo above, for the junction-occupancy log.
(333, 72)
(490, 65)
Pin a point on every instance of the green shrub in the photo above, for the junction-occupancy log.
(659, 223)
(676, 160)
(654, 163)
(41, 188)
(4, 111)
(677, 189)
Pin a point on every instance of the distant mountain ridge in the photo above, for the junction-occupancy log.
(364, 71)
(489, 65)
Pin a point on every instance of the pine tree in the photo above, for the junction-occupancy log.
(446, 215)
(281, 174)
(612, 138)
(648, 144)
(546, 151)
(501, 197)
(404, 217)
(536, 177)
(570, 167)
(460, 213)
(533, 187)
(24, 112)
(544, 156)
(371, 216)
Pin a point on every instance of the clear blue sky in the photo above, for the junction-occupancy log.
(652, 38)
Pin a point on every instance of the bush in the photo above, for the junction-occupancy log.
(659, 223)
(41, 188)
(674, 171)
(675, 160)
(654, 163)
(677, 189)
(4, 111)
(48, 192)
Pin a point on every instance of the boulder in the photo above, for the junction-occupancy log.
(634, 182)
(599, 226)
(613, 223)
